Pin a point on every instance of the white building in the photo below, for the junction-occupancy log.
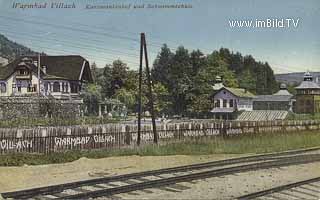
(60, 76)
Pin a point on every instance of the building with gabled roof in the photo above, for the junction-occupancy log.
(60, 76)
(227, 101)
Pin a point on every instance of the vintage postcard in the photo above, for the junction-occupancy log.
(159, 99)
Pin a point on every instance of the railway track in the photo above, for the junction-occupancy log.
(157, 178)
(307, 189)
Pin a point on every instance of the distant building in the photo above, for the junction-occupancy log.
(227, 101)
(282, 100)
(308, 96)
(60, 76)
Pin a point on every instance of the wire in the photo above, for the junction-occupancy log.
(104, 28)
(71, 44)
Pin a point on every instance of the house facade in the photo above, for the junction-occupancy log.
(59, 76)
(227, 101)
(308, 96)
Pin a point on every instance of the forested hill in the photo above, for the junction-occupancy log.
(10, 50)
(189, 76)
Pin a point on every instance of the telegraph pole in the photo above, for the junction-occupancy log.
(140, 91)
(143, 49)
(39, 65)
(151, 103)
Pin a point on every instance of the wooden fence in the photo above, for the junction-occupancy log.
(111, 136)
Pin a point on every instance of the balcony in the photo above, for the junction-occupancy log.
(23, 76)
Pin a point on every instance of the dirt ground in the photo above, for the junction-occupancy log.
(18, 178)
(231, 186)
(227, 187)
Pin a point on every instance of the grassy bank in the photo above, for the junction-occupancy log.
(293, 116)
(258, 143)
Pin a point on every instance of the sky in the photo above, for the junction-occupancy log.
(104, 35)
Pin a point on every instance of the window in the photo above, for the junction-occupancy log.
(63, 88)
(74, 88)
(217, 103)
(32, 88)
(22, 72)
(56, 87)
(46, 86)
(231, 103)
(224, 103)
(3, 88)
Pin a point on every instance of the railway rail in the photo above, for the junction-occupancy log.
(108, 186)
(307, 189)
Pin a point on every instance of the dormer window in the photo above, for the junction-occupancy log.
(22, 72)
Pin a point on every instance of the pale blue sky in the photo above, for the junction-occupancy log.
(105, 35)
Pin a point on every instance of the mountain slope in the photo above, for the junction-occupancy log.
(295, 78)
(10, 50)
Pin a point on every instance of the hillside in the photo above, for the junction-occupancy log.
(294, 78)
(10, 50)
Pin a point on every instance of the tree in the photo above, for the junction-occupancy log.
(180, 80)
(94, 72)
(247, 81)
(127, 97)
(162, 101)
(200, 105)
(119, 75)
(113, 78)
(197, 59)
(161, 67)
(91, 98)
(217, 66)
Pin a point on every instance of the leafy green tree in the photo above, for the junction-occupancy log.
(113, 78)
(94, 72)
(162, 65)
(91, 98)
(200, 105)
(247, 81)
(180, 80)
(161, 99)
(119, 75)
(197, 59)
(217, 66)
(127, 97)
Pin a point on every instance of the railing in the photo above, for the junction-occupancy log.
(108, 136)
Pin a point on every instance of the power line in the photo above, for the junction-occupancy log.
(91, 39)
(70, 28)
(71, 44)
(59, 51)
(81, 30)
(105, 34)
(111, 29)
(100, 58)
